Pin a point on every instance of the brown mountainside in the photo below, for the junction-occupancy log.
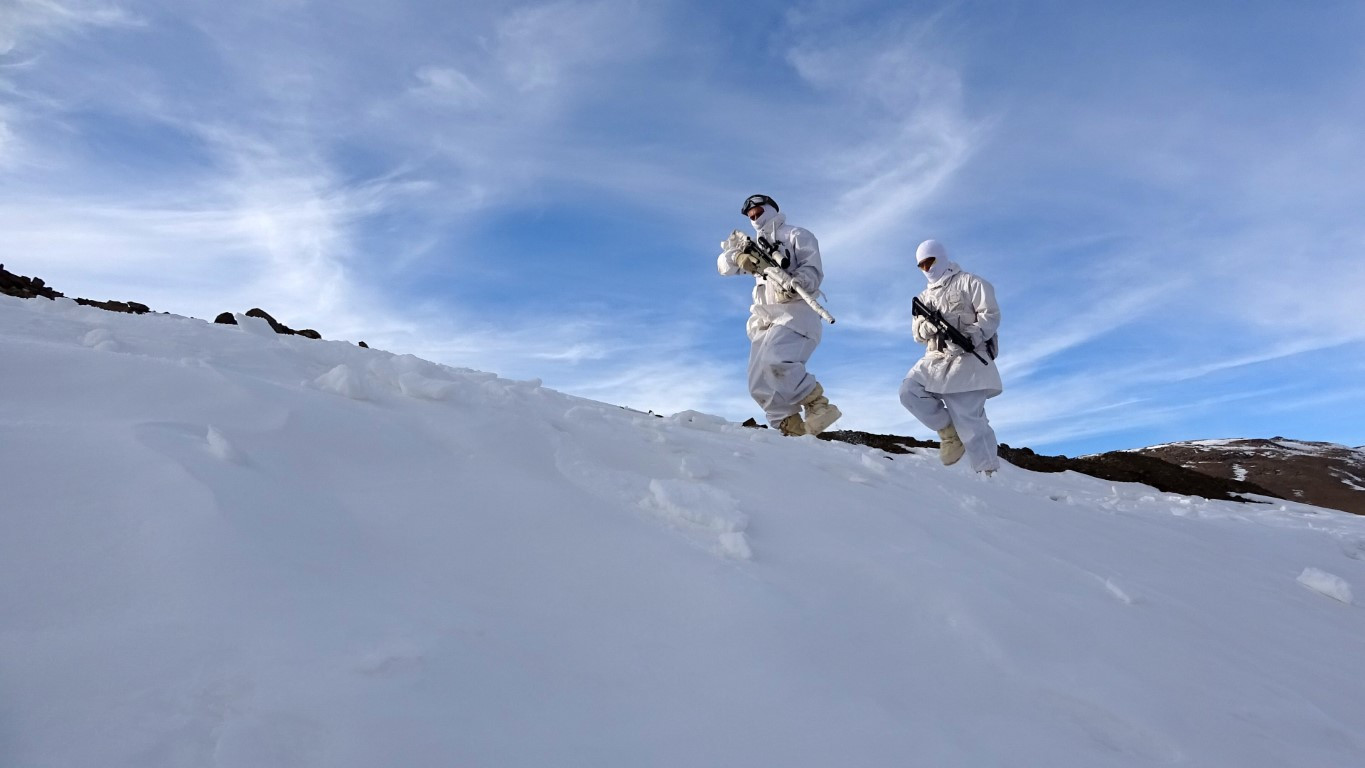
(1118, 466)
(1322, 474)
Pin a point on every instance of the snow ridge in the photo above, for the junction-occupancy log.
(236, 549)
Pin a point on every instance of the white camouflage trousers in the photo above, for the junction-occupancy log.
(777, 371)
(965, 410)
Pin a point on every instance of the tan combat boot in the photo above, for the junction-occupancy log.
(950, 447)
(820, 413)
(792, 426)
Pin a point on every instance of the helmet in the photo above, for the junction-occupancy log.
(753, 200)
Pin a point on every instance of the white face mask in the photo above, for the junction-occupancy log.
(936, 271)
(763, 218)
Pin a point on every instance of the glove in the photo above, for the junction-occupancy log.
(923, 329)
(783, 282)
(780, 278)
(735, 242)
(747, 262)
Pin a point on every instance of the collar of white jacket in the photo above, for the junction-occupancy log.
(767, 222)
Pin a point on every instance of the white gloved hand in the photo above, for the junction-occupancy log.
(923, 329)
(783, 282)
(736, 241)
(777, 276)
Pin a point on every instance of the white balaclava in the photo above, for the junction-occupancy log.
(933, 249)
(769, 216)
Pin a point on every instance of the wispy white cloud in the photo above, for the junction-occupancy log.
(541, 46)
(24, 19)
(903, 131)
(448, 86)
(9, 142)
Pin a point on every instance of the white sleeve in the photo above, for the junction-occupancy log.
(726, 265)
(982, 295)
(806, 270)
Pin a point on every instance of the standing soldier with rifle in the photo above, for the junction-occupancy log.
(785, 320)
(955, 318)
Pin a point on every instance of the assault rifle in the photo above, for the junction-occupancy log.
(770, 259)
(918, 309)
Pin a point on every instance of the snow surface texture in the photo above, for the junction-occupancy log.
(229, 548)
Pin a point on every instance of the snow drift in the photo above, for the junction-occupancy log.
(227, 547)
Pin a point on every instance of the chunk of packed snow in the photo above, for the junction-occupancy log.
(1327, 584)
(256, 326)
(223, 448)
(344, 381)
(696, 420)
(419, 386)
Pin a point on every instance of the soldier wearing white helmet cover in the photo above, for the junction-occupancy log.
(783, 329)
(948, 388)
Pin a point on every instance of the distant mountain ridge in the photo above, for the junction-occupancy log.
(1115, 466)
(1322, 474)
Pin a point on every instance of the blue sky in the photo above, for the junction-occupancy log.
(1167, 196)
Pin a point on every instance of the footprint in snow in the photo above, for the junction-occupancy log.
(708, 516)
(705, 512)
(102, 340)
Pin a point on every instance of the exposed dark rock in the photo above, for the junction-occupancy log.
(129, 307)
(1118, 466)
(34, 288)
(281, 327)
(24, 287)
(888, 443)
(1322, 474)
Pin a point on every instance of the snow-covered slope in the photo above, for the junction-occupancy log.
(223, 547)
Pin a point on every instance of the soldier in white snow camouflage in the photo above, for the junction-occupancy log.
(783, 329)
(948, 388)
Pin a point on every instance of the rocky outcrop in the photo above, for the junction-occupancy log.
(24, 287)
(227, 318)
(1322, 474)
(34, 288)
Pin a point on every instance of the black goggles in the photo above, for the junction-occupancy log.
(758, 200)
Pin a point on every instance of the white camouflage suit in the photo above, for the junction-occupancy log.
(950, 385)
(783, 330)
